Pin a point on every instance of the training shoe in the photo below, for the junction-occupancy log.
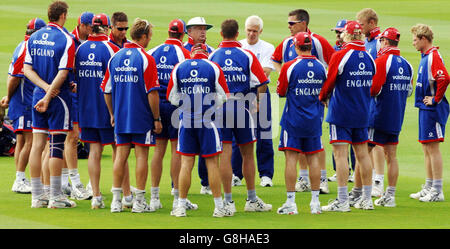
(377, 189)
(230, 206)
(353, 198)
(288, 209)
(67, 189)
(61, 201)
(302, 185)
(433, 196)
(324, 186)
(178, 212)
(266, 182)
(127, 204)
(140, 206)
(315, 207)
(257, 206)
(235, 181)
(97, 203)
(80, 193)
(116, 206)
(40, 202)
(190, 205)
(423, 192)
(364, 204)
(222, 212)
(332, 178)
(21, 186)
(336, 206)
(385, 201)
(205, 190)
(155, 203)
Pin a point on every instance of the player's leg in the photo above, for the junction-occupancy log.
(45, 177)
(290, 176)
(378, 158)
(315, 179)
(20, 174)
(236, 164)
(127, 200)
(226, 172)
(184, 183)
(22, 185)
(303, 184)
(388, 198)
(140, 205)
(120, 160)
(212, 164)
(365, 167)
(37, 190)
(323, 172)
(175, 166)
(94, 170)
(156, 170)
(435, 158)
(265, 156)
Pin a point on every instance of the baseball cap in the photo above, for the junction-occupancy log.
(36, 23)
(340, 25)
(391, 34)
(351, 26)
(198, 21)
(177, 26)
(299, 39)
(104, 20)
(85, 18)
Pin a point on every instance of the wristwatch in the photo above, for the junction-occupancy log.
(157, 119)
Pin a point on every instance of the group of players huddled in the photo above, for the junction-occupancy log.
(106, 90)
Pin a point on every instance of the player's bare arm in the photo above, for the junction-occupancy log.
(11, 83)
(108, 101)
(153, 100)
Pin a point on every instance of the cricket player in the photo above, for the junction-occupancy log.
(432, 82)
(300, 82)
(130, 86)
(19, 99)
(243, 72)
(119, 28)
(198, 86)
(348, 90)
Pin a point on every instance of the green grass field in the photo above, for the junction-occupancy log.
(15, 211)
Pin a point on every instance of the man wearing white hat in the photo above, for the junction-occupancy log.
(196, 30)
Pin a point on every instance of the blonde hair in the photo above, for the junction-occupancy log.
(422, 30)
(140, 27)
(346, 37)
(367, 14)
(254, 20)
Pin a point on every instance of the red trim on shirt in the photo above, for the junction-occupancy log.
(230, 44)
(440, 75)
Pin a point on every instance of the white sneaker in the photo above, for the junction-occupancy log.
(190, 205)
(230, 206)
(127, 204)
(266, 182)
(423, 192)
(385, 201)
(336, 206)
(40, 202)
(235, 181)
(179, 212)
(222, 212)
(61, 202)
(302, 185)
(67, 189)
(79, 193)
(364, 204)
(97, 203)
(141, 206)
(433, 196)
(332, 178)
(315, 207)
(116, 206)
(155, 203)
(377, 189)
(288, 209)
(205, 190)
(324, 186)
(257, 206)
(352, 198)
(21, 186)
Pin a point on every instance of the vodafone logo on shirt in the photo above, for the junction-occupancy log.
(126, 68)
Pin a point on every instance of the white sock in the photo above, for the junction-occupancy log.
(437, 184)
(154, 191)
(304, 174)
(367, 192)
(117, 193)
(315, 195)
(65, 176)
(342, 194)
(390, 191)
(182, 202)
(323, 175)
(20, 176)
(74, 177)
(290, 197)
(140, 194)
(176, 193)
(379, 178)
(218, 202)
(36, 187)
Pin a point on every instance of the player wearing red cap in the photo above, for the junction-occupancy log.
(432, 82)
(348, 89)
(300, 82)
(19, 99)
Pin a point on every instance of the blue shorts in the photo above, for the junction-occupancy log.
(204, 141)
(240, 124)
(141, 139)
(381, 138)
(340, 134)
(429, 129)
(305, 145)
(103, 136)
(23, 123)
(58, 115)
(168, 132)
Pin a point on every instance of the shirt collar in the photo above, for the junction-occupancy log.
(174, 41)
(200, 56)
(100, 37)
(190, 40)
(306, 57)
(356, 45)
(53, 24)
(111, 37)
(230, 44)
(374, 33)
(27, 37)
(389, 50)
(132, 45)
(431, 50)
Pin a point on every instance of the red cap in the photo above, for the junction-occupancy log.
(299, 39)
(391, 34)
(103, 18)
(351, 26)
(176, 26)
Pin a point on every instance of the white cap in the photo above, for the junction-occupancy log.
(198, 21)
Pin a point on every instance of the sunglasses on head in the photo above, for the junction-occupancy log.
(294, 22)
(122, 29)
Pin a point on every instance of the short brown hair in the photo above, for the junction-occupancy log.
(140, 27)
(422, 30)
(367, 14)
(56, 9)
(301, 15)
(118, 17)
(229, 28)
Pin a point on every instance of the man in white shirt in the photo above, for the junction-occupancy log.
(264, 148)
